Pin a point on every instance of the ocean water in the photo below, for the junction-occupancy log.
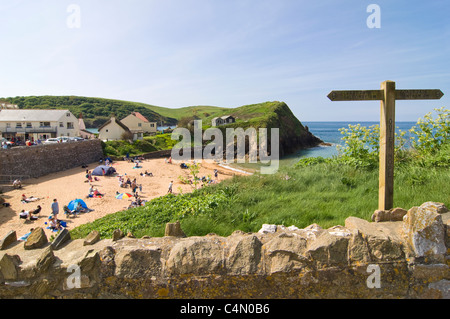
(327, 132)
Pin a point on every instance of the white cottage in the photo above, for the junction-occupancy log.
(32, 124)
(138, 123)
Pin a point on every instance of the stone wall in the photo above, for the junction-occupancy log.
(40, 160)
(408, 258)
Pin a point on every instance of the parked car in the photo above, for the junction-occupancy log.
(53, 140)
(76, 139)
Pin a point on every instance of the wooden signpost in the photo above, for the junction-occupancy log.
(387, 95)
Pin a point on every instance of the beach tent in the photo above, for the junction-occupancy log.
(73, 204)
(103, 170)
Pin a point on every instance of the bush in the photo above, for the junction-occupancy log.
(429, 142)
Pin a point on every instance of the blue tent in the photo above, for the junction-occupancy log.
(73, 204)
(103, 170)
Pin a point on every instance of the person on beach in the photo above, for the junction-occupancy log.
(55, 208)
(26, 215)
(26, 199)
(170, 187)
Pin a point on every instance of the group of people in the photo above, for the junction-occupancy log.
(129, 183)
(94, 192)
(54, 223)
(31, 214)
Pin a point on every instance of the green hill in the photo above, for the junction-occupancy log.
(97, 111)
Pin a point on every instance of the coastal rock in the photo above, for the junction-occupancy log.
(37, 239)
(9, 267)
(328, 250)
(268, 229)
(117, 235)
(395, 214)
(424, 230)
(62, 237)
(244, 254)
(197, 256)
(9, 239)
(312, 231)
(138, 263)
(45, 260)
(92, 238)
(285, 253)
(174, 229)
(377, 240)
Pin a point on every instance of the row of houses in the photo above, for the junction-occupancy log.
(33, 125)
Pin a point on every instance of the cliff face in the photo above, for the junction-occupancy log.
(293, 135)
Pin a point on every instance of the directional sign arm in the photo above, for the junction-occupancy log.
(418, 94)
(363, 95)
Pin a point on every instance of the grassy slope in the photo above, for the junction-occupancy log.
(325, 194)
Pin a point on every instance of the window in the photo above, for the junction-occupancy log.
(44, 124)
(18, 125)
(61, 124)
(152, 125)
(29, 125)
(8, 125)
(70, 125)
(139, 124)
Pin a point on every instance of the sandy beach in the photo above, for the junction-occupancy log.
(72, 184)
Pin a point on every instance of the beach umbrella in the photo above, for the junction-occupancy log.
(123, 195)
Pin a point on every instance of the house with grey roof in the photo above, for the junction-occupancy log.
(223, 120)
(33, 124)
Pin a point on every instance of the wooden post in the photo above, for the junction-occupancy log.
(387, 144)
(387, 95)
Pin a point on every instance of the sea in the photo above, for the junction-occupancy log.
(327, 132)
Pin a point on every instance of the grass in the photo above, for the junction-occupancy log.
(325, 194)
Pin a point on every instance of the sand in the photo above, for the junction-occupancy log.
(71, 184)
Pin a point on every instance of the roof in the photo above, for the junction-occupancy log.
(140, 116)
(117, 122)
(31, 115)
(226, 117)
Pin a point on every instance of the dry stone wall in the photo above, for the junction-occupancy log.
(40, 160)
(361, 259)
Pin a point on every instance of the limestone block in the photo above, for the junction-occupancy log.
(328, 249)
(285, 252)
(9, 267)
(37, 239)
(379, 241)
(138, 263)
(92, 238)
(62, 237)
(244, 255)
(395, 214)
(424, 230)
(9, 239)
(196, 256)
(174, 229)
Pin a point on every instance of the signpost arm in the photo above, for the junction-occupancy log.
(387, 141)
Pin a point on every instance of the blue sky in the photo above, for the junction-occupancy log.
(177, 53)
